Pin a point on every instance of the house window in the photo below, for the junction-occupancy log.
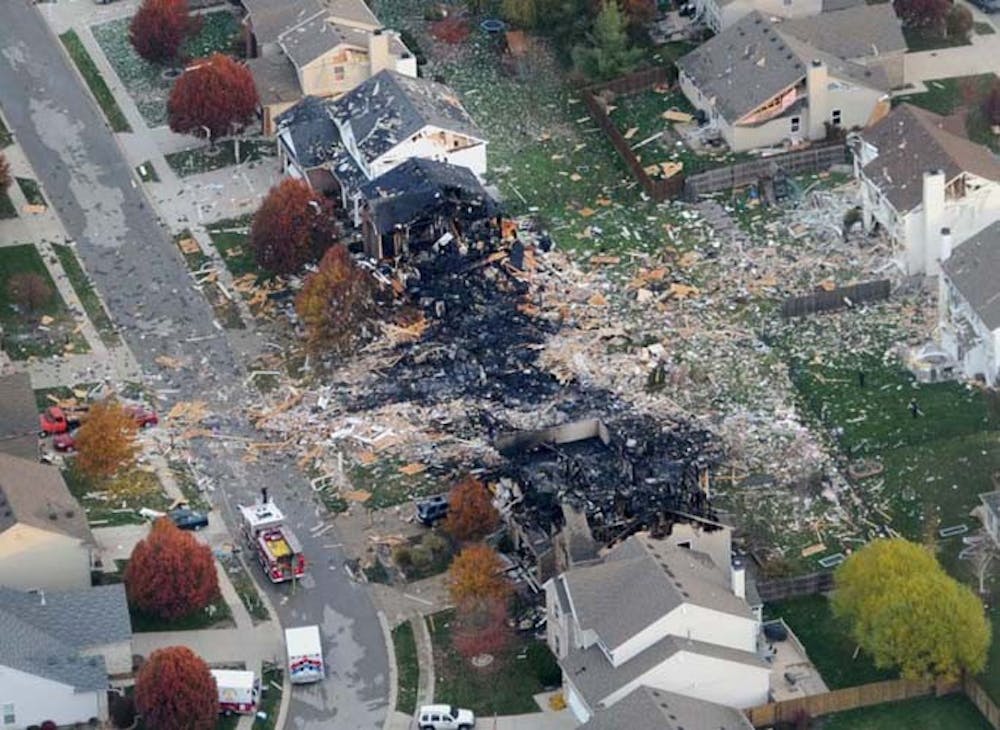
(8, 713)
(338, 73)
(796, 121)
(835, 117)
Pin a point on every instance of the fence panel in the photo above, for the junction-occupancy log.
(983, 702)
(741, 174)
(827, 301)
(800, 585)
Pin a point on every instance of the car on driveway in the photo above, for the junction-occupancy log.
(432, 509)
(65, 442)
(445, 717)
(188, 519)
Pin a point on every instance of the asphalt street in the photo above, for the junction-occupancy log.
(145, 283)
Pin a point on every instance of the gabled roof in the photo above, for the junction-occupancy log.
(18, 417)
(974, 269)
(640, 581)
(312, 131)
(911, 141)
(271, 18)
(744, 66)
(353, 11)
(45, 634)
(863, 31)
(310, 40)
(275, 79)
(645, 708)
(419, 174)
(35, 494)
(389, 107)
(595, 677)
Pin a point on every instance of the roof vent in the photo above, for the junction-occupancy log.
(70, 514)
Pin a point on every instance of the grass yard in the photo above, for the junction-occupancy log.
(271, 678)
(145, 81)
(508, 685)
(951, 712)
(389, 486)
(84, 289)
(7, 209)
(216, 615)
(189, 487)
(990, 679)
(944, 96)
(200, 159)
(62, 392)
(922, 39)
(31, 190)
(983, 29)
(226, 311)
(98, 86)
(113, 502)
(25, 334)
(245, 587)
(230, 239)
(827, 642)
(408, 670)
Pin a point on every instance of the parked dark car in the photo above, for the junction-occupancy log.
(188, 519)
(432, 509)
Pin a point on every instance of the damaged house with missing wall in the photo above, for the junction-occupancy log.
(421, 203)
(339, 145)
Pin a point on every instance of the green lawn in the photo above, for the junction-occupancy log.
(827, 642)
(145, 81)
(84, 289)
(113, 502)
(983, 29)
(990, 679)
(921, 39)
(217, 615)
(506, 688)
(201, 159)
(7, 209)
(230, 239)
(98, 86)
(226, 311)
(389, 486)
(31, 190)
(408, 670)
(944, 96)
(246, 589)
(951, 712)
(24, 333)
(271, 689)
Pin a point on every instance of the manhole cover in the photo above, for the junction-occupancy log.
(482, 660)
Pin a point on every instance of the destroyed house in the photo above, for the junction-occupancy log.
(419, 203)
(382, 123)
(917, 178)
(325, 48)
(658, 613)
(759, 86)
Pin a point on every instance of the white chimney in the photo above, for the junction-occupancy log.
(926, 261)
(817, 81)
(738, 573)
(378, 51)
(945, 244)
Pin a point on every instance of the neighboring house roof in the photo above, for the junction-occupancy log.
(312, 131)
(911, 141)
(306, 42)
(645, 708)
(355, 11)
(744, 66)
(35, 494)
(640, 581)
(44, 634)
(18, 417)
(972, 269)
(275, 79)
(271, 18)
(389, 107)
(874, 77)
(418, 174)
(857, 32)
(596, 677)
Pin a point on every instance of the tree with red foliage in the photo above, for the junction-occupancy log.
(159, 28)
(171, 574)
(481, 627)
(471, 514)
(336, 303)
(175, 690)
(292, 227)
(5, 178)
(476, 575)
(215, 93)
(928, 14)
(991, 103)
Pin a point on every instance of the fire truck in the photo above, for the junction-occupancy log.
(276, 547)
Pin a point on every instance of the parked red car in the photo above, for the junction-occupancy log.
(64, 442)
(53, 420)
(143, 418)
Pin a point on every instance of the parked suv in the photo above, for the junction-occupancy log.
(432, 509)
(445, 717)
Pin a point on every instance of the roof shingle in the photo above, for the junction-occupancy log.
(35, 494)
(974, 269)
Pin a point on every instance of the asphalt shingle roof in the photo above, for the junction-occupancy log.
(645, 708)
(275, 79)
(271, 18)
(45, 634)
(312, 130)
(862, 31)
(911, 141)
(974, 269)
(35, 494)
(18, 417)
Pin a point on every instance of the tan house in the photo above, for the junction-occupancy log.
(45, 542)
(321, 48)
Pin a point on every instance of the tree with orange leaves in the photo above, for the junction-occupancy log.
(476, 576)
(336, 303)
(214, 95)
(481, 627)
(293, 226)
(175, 690)
(471, 514)
(105, 442)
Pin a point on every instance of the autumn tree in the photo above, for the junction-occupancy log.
(214, 96)
(336, 303)
(476, 576)
(471, 514)
(171, 574)
(607, 50)
(991, 103)
(159, 28)
(959, 22)
(926, 14)
(30, 290)
(175, 690)
(292, 227)
(481, 627)
(906, 612)
(105, 442)
(5, 176)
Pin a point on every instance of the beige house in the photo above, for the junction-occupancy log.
(45, 542)
(321, 48)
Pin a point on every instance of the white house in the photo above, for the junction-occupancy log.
(918, 178)
(343, 143)
(44, 538)
(761, 86)
(646, 708)
(659, 613)
(991, 514)
(969, 303)
(721, 14)
(57, 649)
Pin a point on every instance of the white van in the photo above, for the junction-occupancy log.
(305, 654)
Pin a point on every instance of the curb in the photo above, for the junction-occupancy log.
(393, 670)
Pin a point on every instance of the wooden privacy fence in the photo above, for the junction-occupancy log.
(814, 159)
(840, 298)
(800, 585)
(850, 698)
